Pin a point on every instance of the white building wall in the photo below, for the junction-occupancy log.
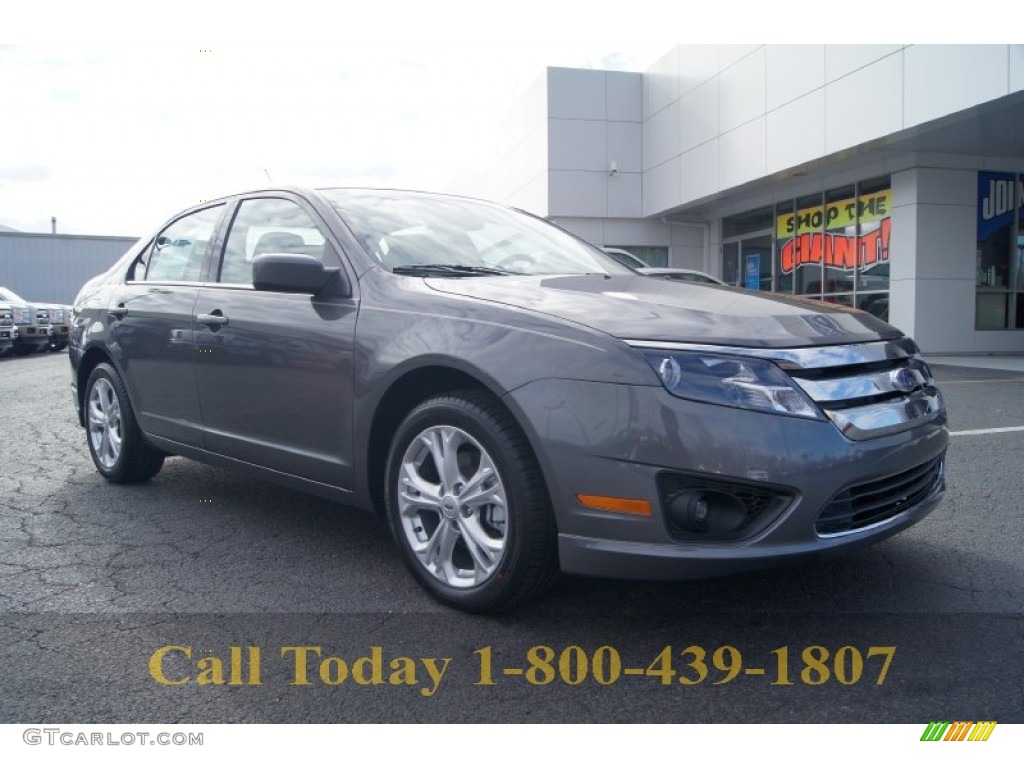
(716, 117)
(594, 143)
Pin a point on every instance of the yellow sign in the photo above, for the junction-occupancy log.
(837, 215)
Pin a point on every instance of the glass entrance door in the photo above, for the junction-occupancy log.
(747, 261)
(757, 262)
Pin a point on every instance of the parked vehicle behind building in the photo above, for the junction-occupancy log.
(685, 275)
(8, 331)
(626, 258)
(60, 317)
(512, 398)
(32, 322)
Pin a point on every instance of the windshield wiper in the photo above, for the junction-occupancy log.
(464, 270)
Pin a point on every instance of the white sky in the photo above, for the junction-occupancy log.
(113, 139)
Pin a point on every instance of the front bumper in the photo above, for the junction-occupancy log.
(33, 338)
(60, 338)
(616, 440)
(8, 337)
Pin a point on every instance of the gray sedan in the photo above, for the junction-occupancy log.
(513, 399)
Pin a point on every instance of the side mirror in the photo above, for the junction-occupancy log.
(293, 273)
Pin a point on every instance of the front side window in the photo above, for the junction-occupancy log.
(267, 225)
(177, 253)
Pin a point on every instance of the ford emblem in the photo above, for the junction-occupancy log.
(903, 380)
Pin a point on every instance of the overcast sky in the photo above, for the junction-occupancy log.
(114, 140)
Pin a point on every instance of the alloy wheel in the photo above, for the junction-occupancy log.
(105, 433)
(453, 506)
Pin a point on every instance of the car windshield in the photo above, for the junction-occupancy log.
(420, 233)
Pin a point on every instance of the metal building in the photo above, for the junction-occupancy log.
(51, 268)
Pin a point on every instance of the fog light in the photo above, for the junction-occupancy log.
(708, 512)
(718, 508)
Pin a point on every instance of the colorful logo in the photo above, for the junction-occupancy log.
(961, 730)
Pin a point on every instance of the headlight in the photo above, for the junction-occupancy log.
(739, 382)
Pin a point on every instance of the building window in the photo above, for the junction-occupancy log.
(999, 272)
(832, 246)
(783, 271)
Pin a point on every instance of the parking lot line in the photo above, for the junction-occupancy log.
(990, 431)
(979, 381)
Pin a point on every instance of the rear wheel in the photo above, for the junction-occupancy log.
(468, 505)
(116, 444)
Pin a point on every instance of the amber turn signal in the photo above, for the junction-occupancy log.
(614, 504)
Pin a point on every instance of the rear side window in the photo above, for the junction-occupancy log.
(177, 253)
(267, 225)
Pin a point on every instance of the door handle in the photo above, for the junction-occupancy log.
(118, 313)
(214, 320)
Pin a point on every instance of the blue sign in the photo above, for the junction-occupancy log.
(995, 201)
(752, 275)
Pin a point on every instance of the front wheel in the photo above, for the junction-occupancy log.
(468, 505)
(118, 449)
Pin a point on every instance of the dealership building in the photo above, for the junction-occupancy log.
(883, 177)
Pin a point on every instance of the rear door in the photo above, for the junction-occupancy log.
(274, 370)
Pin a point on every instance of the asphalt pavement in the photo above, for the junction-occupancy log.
(209, 596)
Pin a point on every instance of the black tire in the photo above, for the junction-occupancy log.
(108, 415)
(516, 519)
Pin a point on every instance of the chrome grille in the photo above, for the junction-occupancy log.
(872, 397)
(871, 503)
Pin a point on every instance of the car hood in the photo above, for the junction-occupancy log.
(638, 307)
